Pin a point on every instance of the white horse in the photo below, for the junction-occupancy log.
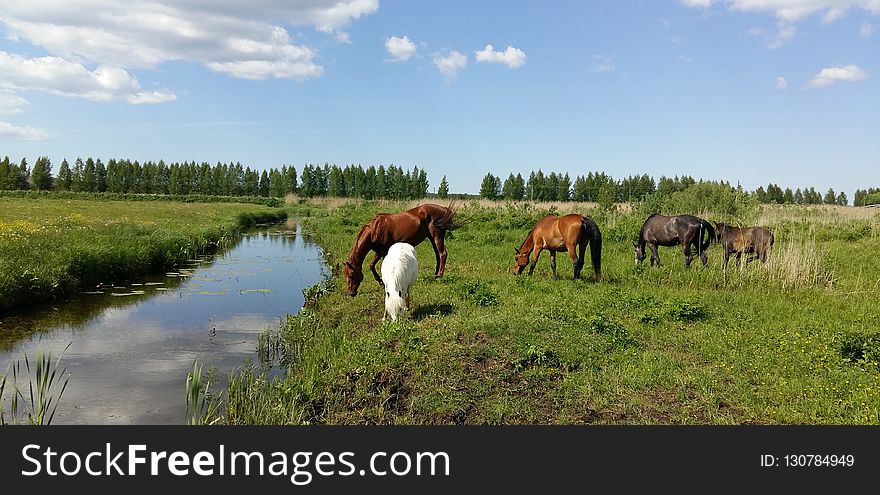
(400, 267)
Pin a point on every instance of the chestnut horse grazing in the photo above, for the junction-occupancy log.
(687, 230)
(561, 234)
(427, 221)
(755, 240)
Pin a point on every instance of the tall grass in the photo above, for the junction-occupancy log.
(202, 404)
(36, 404)
(798, 265)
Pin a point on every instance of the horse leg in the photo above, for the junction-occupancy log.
(703, 256)
(738, 257)
(726, 258)
(439, 245)
(576, 262)
(376, 258)
(654, 255)
(553, 264)
(535, 253)
(687, 255)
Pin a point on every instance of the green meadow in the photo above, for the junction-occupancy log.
(52, 246)
(794, 341)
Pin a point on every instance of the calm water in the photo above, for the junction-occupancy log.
(132, 344)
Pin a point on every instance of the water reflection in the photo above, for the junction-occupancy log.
(133, 343)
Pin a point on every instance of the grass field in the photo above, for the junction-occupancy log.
(51, 246)
(793, 341)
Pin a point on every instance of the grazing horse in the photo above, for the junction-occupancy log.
(754, 240)
(561, 234)
(399, 272)
(427, 221)
(687, 230)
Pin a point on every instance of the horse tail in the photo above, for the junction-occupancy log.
(707, 227)
(595, 239)
(447, 221)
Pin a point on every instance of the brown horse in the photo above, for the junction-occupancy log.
(750, 240)
(427, 221)
(557, 234)
(687, 230)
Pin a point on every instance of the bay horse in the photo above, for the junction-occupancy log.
(686, 230)
(427, 221)
(750, 240)
(564, 233)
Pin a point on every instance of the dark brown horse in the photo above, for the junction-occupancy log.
(557, 234)
(750, 240)
(427, 221)
(686, 230)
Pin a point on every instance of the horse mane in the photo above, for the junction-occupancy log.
(531, 232)
(357, 240)
(642, 230)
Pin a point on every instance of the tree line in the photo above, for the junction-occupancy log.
(602, 188)
(222, 179)
(392, 182)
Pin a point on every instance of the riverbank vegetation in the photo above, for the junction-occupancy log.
(52, 245)
(793, 341)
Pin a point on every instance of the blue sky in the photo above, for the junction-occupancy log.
(749, 91)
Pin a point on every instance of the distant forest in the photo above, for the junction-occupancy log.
(601, 187)
(232, 179)
(355, 181)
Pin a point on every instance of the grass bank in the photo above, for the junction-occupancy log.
(793, 341)
(51, 246)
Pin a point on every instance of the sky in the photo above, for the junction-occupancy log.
(749, 91)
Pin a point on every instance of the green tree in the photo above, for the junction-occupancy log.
(65, 179)
(606, 196)
(830, 197)
(443, 189)
(491, 187)
(564, 193)
(89, 179)
(23, 175)
(41, 175)
(264, 184)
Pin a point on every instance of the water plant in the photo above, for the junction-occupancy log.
(36, 403)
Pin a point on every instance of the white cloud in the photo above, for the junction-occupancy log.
(450, 63)
(603, 63)
(833, 75)
(28, 133)
(58, 76)
(867, 30)
(789, 12)
(781, 83)
(10, 103)
(685, 59)
(511, 56)
(241, 38)
(399, 48)
(782, 37)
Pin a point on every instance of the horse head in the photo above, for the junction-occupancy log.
(520, 261)
(355, 275)
(639, 252)
(720, 230)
